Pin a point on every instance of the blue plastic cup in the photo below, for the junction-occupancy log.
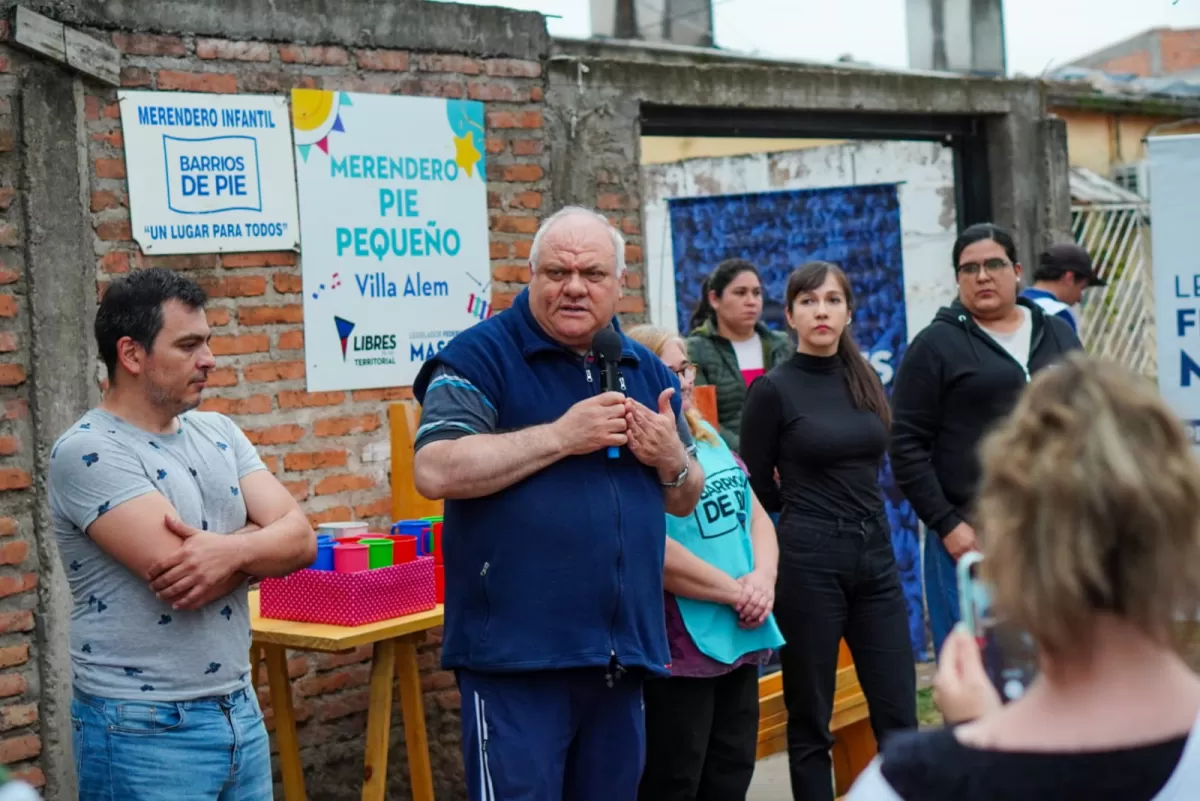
(324, 560)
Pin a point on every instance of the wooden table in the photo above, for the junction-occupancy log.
(395, 655)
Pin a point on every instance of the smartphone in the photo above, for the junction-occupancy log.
(1009, 655)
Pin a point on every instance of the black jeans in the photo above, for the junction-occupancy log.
(701, 737)
(839, 579)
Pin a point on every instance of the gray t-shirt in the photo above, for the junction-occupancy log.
(125, 643)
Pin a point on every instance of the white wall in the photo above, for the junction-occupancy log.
(924, 170)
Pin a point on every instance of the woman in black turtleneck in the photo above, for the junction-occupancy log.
(821, 420)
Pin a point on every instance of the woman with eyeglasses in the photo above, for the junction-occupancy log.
(959, 376)
(719, 571)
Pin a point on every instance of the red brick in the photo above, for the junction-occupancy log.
(523, 173)
(197, 81)
(91, 107)
(115, 231)
(16, 621)
(523, 248)
(18, 749)
(633, 280)
(631, 226)
(10, 235)
(496, 92)
(442, 63)
(633, 254)
(342, 658)
(18, 715)
(133, 77)
(114, 262)
(610, 201)
(527, 200)
(12, 684)
(494, 146)
(528, 147)
(222, 377)
(255, 404)
(268, 315)
(111, 111)
(265, 259)
(284, 434)
(631, 304)
(513, 68)
(514, 119)
(291, 340)
(498, 250)
(226, 50)
(383, 395)
(105, 200)
(287, 283)
(32, 776)
(345, 483)
(11, 375)
(298, 489)
(440, 87)
(14, 553)
(114, 139)
(217, 316)
(515, 225)
(300, 54)
(536, 94)
(330, 515)
(493, 200)
(380, 507)
(8, 446)
(110, 168)
(383, 60)
(8, 276)
(8, 306)
(8, 526)
(314, 460)
(235, 286)
(273, 371)
(8, 342)
(512, 273)
(341, 426)
(448, 699)
(303, 400)
(146, 44)
(502, 300)
(242, 343)
(7, 193)
(193, 261)
(323, 683)
(14, 478)
(438, 680)
(14, 655)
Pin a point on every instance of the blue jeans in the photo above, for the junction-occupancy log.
(210, 749)
(941, 590)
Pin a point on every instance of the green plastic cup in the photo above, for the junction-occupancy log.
(379, 551)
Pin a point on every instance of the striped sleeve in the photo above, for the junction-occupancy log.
(453, 408)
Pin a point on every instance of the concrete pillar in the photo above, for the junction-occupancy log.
(61, 275)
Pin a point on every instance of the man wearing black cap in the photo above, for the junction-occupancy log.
(1063, 272)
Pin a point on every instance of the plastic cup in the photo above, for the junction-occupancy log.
(437, 542)
(439, 583)
(415, 528)
(404, 548)
(324, 560)
(347, 528)
(351, 558)
(380, 551)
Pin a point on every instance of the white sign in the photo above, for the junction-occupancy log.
(393, 221)
(209, 173)
(1174, 210)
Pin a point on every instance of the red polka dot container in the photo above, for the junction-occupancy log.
(350, 599)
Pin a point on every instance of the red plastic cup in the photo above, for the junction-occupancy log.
(404, 550)
(351, 558)
(439, 583)
(349, 539)
(437, 543)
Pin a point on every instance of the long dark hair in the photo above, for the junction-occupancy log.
(980, 232)
(717, 280)
(866, 390)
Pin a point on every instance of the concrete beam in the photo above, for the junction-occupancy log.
(61, 284)
(401, 24)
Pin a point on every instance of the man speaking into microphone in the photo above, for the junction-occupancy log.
(553, 544)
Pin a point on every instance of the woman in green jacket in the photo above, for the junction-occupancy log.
(729, 344)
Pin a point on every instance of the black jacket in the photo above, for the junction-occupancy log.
(954, 382)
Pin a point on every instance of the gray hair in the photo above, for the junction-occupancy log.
(618, 241)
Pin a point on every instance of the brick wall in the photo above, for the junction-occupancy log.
(1139, 63)
(330, 449)
(1180, 50)
(20, 736)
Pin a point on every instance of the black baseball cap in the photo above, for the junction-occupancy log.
(1068, 257)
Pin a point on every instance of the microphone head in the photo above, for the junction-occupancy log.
(606, 346)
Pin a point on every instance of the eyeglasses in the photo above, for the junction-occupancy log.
(972, 268)
(686, 373)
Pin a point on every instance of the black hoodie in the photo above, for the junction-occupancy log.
(954, 382)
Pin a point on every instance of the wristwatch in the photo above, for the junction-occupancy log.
(683, 474)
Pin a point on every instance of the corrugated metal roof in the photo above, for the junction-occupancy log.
(1088, 188)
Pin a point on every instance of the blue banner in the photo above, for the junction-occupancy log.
(855, 227)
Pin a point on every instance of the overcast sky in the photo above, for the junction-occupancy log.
(1038, 32)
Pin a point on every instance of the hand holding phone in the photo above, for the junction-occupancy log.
(1009, 655)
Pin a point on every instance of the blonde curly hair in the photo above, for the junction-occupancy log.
(1089, 503)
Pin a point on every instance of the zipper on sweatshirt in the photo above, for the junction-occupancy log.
(991, 343)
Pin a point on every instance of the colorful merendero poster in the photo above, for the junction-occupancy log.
(393, 231)
(209, 173)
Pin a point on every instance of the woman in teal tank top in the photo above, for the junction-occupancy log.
(702, 722)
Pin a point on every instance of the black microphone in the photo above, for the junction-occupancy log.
(606, 347)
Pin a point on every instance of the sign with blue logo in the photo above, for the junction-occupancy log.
(393, 215)
(1174, 176)
(209, 173)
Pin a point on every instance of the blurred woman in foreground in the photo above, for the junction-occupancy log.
(1089, 513)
